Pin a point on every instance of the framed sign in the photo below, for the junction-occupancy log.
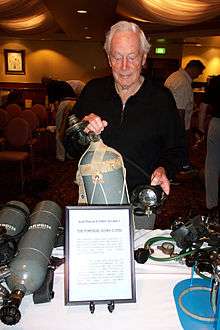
(14, 61)
(99, 254)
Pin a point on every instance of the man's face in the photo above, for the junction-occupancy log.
(126, 58)
(196, 73)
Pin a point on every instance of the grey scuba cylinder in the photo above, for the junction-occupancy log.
(29, 267)
(13, 217)
(101, 176)
(13, 223)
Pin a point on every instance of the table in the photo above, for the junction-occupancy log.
(154, 310)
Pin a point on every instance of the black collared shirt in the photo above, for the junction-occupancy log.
(147, 132)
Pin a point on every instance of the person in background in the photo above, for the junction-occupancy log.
(57, 90)
(77, 86)
(203, 117)
(212, 162)
(61, 117)
(61, 98)
(180, 84)
(133, 115)
(50, 84)
(15, 97)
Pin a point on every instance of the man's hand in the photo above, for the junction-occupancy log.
(159, 178)
(96, 124)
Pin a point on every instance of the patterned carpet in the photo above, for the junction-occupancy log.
(54, 180)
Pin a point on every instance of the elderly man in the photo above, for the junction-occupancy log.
(137, 118)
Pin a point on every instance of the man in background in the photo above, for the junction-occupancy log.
(180, 84)
(212, 162)
(77, 86)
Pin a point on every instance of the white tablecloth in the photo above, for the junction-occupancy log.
(154, 310)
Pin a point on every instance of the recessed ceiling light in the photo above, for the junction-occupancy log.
(82, 11)
(161, 40)
(88, 37)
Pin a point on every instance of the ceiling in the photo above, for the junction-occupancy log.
(58, 19)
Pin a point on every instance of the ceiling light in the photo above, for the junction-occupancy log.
(178, 12)
(82, 11)
(161, 40)
(88, 37)
(26, 23)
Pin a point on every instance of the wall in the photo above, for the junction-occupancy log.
(173, 51)
(209, 55)
(85, 60)
(61, 59)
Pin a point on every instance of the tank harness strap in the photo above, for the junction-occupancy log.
(82, 199)
(97, 167)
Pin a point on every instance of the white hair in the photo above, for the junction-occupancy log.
(126, 26)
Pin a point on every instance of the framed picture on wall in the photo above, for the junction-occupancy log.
(14, 61)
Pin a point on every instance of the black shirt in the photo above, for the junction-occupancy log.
(147, 132)
(57, 90)
(212, 96)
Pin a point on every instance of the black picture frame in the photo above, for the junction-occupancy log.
(14, 61)
(86, 227)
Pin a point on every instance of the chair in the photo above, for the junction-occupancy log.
(41, 113)
(31, 118)
(4, 119)
(13, 110)
(41, 130)
(18, 135)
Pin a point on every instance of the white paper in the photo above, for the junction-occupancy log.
(99, 255)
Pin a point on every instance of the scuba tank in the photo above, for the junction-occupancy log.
(29, 267)
(13, 217)
(101, 174)
(13, 223)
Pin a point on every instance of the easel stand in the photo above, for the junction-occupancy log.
(110, 305)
